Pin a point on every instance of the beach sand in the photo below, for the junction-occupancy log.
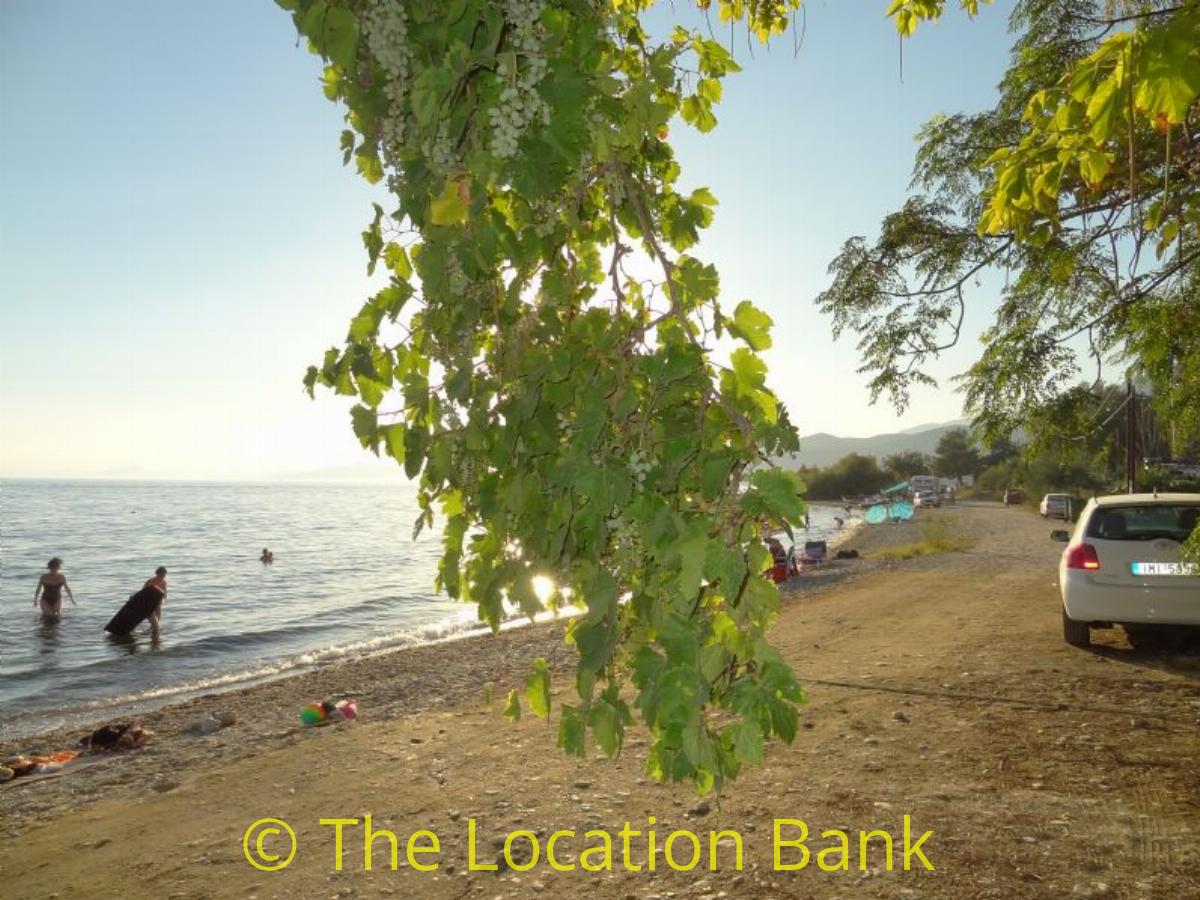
(939, 688)
(386, 685)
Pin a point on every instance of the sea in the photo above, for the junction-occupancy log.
(348, 579)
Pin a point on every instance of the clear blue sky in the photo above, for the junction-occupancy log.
(179, 240)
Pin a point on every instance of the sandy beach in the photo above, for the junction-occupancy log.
(939, 689)
(386, 685)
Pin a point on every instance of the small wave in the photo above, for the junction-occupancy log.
(29, 720)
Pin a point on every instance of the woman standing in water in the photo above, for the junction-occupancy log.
(144, 604)
(49, 590)
(157, 583)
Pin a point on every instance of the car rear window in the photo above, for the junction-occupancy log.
(1144, 523)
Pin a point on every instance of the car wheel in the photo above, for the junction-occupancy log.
(1077, 634)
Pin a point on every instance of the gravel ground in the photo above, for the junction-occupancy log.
(939, 689)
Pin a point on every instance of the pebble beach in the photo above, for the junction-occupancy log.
(479, 669)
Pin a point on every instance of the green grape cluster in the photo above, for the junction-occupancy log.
(385, 28)
(519, 71)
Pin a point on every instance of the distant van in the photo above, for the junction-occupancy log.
(924, 483)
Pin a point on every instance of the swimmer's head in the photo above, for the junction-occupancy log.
(161, 571)
(54, 565)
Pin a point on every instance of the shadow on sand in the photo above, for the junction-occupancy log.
(1172, 650)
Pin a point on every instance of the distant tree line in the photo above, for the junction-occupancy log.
(956, 457)
(854, 473)
(1079, 445)
(1079, 449)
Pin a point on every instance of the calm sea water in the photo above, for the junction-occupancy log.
(348, 579)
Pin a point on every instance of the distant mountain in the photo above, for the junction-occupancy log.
(929, 426)
(826, 449)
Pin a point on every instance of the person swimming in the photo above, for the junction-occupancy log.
(267, 557)
(49, 590)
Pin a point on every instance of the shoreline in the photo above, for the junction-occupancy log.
(848, 533)
(388, 685)
(86, 715)
(919, 706)
(265, 717)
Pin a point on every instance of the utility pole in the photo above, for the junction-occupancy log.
(1130, 457)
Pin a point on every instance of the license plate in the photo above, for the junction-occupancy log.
(1165, 568)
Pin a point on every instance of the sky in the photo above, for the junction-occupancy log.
(179, 239)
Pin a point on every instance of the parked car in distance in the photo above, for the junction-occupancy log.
(1013, 495)
(1123, 565)
(1057, 506)
(921, 483)
(1175, 469)
(926, 499)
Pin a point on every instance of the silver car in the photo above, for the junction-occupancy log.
(1123, 565)
(1056, 506)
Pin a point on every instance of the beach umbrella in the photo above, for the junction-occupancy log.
(886, 512)
(876, 515)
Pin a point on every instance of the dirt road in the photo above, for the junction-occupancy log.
(940, 689)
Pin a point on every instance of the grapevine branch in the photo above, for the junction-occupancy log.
(672, 289)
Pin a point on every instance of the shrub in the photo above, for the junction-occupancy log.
(936, 537)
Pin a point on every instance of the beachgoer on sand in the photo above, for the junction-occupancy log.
(49, 590)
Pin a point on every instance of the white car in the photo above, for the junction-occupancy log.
(1056, 506)
(1123, 565)
(921, 483)
(926, 498)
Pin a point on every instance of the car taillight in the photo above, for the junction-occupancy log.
(1081, 556)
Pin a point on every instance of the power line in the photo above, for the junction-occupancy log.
(1111, 416)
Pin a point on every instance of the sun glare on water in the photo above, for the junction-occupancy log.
(543, 587)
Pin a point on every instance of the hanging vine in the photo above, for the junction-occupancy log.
(563, 409)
